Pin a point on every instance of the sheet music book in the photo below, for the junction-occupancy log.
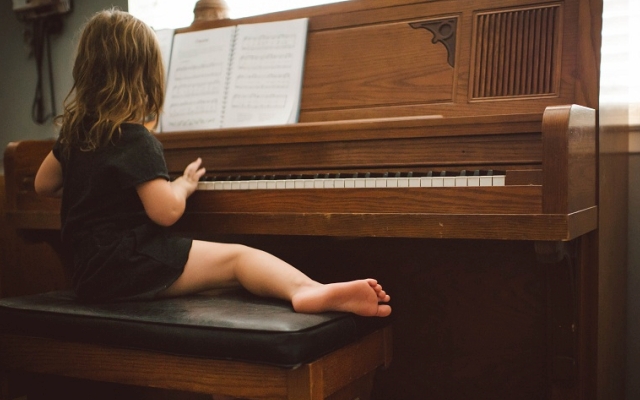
(244, 75)
(165, 39)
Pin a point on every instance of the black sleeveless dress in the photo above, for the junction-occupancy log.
(118, 253)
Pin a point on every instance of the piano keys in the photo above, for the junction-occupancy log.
(355, 180)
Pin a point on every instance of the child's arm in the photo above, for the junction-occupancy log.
(164, 201)
(48, 180)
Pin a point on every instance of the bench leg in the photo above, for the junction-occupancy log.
(12, 387)
(4, 385)
(360, 389)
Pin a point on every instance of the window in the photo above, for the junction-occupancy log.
(619, 80)
(162, 14)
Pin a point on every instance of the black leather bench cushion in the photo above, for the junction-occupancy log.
(233, 325)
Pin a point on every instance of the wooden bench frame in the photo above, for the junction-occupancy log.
(346, 373)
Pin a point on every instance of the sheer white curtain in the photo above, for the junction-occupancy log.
(620, 65)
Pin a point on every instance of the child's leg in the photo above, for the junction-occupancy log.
(218, 265)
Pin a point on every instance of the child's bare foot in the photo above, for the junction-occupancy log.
(360, 297)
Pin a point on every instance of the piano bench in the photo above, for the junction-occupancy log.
(230, 344)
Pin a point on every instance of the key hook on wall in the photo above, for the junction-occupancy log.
(42, 29)
(43, 19)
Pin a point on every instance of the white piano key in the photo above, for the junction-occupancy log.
(426, 181)
(486, 181)
(473, 181)
(437, 181)
(414, 182)
(449, 181)
(498, 180)
(380, 182)
(369, 182)
(205, 186)
(460, 181)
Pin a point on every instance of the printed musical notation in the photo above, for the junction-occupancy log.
(247, 75)
(267, 76)
(197, 79)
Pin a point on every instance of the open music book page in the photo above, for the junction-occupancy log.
(197, 79)
(266, 78)
(246, 75)
(165, 39)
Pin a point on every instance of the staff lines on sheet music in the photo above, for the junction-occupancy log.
(193, 107)
(259, 101)
(210, 66)
(266, 42)
(183, 123)
(265, 61)
(196, 89)
(263, 81)
(195, 53)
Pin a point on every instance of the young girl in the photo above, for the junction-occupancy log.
(118, 200)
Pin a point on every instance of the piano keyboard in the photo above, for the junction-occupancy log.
(359, 180)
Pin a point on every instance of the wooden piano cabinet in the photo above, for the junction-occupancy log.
(495, 289)
(489, 302)
(29, 260)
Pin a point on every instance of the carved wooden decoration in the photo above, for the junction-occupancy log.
(444, 31)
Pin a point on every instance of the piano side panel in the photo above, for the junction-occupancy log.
(21, 162)
(569, 142)
(28, 264)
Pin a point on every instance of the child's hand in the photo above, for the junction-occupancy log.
(194, 172)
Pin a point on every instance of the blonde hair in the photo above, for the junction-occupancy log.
(118, 76)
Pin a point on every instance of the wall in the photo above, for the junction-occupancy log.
(18, 77)
(633, 283)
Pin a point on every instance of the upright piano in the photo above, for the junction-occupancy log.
(447, 148)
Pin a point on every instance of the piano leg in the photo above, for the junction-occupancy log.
(12, 385)
(4, 385)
